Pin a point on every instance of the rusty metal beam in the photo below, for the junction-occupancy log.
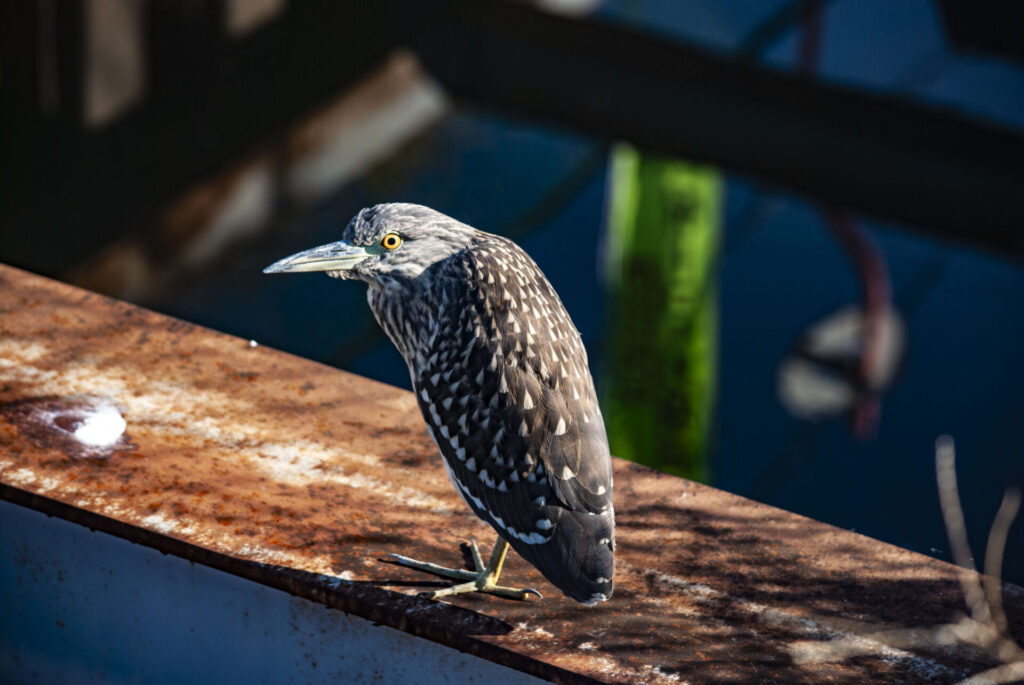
(301, 477)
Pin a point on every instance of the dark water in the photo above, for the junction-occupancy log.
(780, 271)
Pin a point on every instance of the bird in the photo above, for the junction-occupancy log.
(502, 380)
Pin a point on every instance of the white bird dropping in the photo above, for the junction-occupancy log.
(102, 426)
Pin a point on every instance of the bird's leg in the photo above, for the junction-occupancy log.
(484, 579)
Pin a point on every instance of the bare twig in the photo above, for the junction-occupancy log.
(1007, 673)
(949, 498)
(986, 627)
(994, 556)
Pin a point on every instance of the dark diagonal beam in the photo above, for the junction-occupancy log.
(932, 168)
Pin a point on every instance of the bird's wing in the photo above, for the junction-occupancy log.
(544, 357)
(505, 390)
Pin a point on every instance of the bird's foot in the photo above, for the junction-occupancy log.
(483, 579)
(483, 583)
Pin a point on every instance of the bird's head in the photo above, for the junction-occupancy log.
(389, 245)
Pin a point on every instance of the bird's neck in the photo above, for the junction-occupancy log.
(409, 317)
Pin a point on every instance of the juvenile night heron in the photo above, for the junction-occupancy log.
(501, 378)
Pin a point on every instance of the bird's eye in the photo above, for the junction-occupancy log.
(391, 241)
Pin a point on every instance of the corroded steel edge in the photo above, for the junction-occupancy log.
(380, 606)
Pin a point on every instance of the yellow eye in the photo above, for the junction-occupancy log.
(391, 241)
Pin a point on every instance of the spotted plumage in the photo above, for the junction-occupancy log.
(502, 381)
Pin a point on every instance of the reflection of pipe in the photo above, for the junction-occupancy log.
(865, 254)
(661, 374)
(877, 293)
(810, 38)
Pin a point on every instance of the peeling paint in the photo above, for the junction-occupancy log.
(537, 632)
(80, 426)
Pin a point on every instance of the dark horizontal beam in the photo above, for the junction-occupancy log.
(71, 190)
(938, 171)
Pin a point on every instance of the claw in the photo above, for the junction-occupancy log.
(484, 579)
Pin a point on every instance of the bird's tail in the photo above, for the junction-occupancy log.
(579, 557)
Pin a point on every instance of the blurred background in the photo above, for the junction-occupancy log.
(789, 231)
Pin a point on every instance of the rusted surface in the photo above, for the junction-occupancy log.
(302, 477)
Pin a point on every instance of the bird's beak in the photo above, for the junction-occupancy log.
(339, 256)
